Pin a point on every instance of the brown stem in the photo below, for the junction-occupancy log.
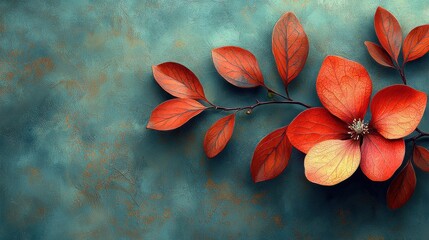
(287, 93)
(418, 136)
(276, 93)
(251, 107)
(402, 73)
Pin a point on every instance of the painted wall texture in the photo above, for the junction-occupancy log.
(76, 91)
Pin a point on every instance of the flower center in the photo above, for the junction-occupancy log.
(358, 128)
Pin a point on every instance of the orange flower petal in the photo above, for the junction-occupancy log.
(381, 157)
(397, 110)
(313, 126)
(332, 161)
(344, 88)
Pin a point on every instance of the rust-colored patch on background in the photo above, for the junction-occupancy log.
(278, 221)
(96, 40)
(26, 211)
(375, 238)
(71, 86)
(39, 67)
(298, 235)
(343, 216)
(33, 174)
(256, 199)
(167, 214)
(9, 76)
(223, 192)
(149, 219)
(95, 85)
(179, 44)
(156, 196)
(247, 12)
(132, 39)
(5, 90)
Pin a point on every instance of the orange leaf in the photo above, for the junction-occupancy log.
(332, 161)
(381, 157)
(313, 126)
(388, 32)
(379, 54)
(178, 80)
(421, 158)
(344, 88)
(397, 110)
(238, 66)
(402, 187)
(290, 47)
(271, 156)
(218, 135)
(174, 113)
(416, 43)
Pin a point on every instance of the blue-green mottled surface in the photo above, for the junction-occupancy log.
(76, 91)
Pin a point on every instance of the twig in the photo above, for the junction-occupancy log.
(258, 103)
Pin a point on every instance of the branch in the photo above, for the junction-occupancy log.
(251, 107)
(418, 136)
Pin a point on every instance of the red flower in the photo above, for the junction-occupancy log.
(337, 139)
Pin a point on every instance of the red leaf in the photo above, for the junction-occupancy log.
(388, 32)
(379, 54)
(174, 113)
(271, 156)
(178, 80)
(238, 66)
(421, 158)
(402, 187)
(218, 135)
(416, 44)
(290, 47)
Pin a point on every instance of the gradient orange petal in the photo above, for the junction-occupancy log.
(313, 126)
(344, 88)
(381, 157)
(332, 161)
(397, 110)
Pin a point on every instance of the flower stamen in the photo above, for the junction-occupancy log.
(358, 129)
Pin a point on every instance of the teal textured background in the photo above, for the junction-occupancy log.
(76, 91)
